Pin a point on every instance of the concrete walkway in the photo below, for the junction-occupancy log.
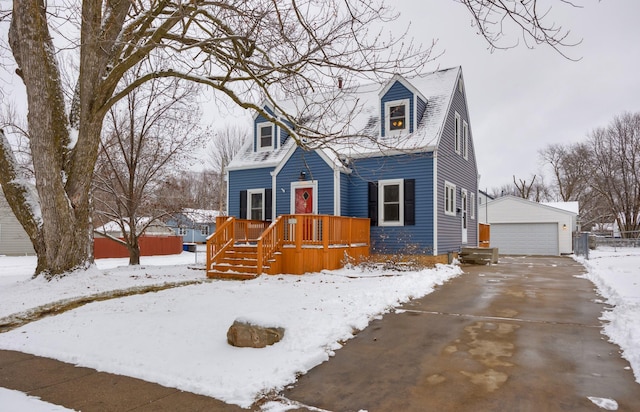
(522, 335)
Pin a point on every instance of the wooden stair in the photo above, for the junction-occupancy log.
(240, 262)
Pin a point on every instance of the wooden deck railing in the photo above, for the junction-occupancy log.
(325, 230)
(270, 242)
(297, 231)
(220, 241)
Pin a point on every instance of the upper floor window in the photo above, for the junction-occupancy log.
(449, 199)
(396, 117)
(391, 202)
(265, 136)
(457, 133)
(465, 140)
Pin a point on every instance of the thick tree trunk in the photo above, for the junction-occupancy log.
(64, 238)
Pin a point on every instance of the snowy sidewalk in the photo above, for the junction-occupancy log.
(88, 390)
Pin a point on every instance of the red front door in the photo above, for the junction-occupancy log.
(304, 200)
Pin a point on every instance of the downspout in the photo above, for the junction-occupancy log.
(274, 195)
(435, 202)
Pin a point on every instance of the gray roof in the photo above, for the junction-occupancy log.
(351, 119)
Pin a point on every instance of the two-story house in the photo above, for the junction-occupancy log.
(406, 162)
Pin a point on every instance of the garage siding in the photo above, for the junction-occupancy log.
(525, 238)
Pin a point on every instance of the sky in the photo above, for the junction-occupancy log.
(522, 100)
(318, 310)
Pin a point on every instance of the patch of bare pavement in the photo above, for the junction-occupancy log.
(522, 335)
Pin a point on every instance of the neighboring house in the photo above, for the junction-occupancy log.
(157, 239)
(408, 165)
(194, 225)
(523, 227)
(14, 241)
(156, 228)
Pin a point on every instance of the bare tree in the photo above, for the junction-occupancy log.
(523, 189)
(570, 169)
(616, 170)
(147, 138)
(225, 144)
(248, 50)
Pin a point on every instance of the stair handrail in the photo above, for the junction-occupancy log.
(269, 242)
(220, 241)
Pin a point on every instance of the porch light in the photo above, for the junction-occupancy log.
(564, 227)
(303, 175)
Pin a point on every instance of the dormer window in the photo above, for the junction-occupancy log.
(396, 117)
(265, 136)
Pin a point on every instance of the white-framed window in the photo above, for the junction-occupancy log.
(391, 202)
(457, 133)
(255, 204)
(472, 205)
(204, 230)
(396, 117)
(182, 231)
(449, 199)
(465, 139)
(265, 136)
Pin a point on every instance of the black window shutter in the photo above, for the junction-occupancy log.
(409, 202)
(243, 204)
(267, 204)
(373, 203)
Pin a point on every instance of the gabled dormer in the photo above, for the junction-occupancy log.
(401, 107)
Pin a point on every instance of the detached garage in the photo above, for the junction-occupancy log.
(522, 227)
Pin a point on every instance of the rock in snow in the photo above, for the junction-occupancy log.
(247, 335)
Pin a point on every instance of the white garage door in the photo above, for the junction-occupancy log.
(525, 238)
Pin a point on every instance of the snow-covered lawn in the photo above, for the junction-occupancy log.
(616, 273)
(177, 337)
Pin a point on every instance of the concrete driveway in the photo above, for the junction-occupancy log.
(523, 335)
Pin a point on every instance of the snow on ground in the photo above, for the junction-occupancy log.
(616, 274)
(18, 401)
(177, 337)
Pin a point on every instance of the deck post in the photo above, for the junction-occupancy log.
(299, 234)
(325, 241)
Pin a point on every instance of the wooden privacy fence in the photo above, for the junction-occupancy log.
(149, 246)
(484, 235)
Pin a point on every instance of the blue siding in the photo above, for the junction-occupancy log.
(417, 239)
(244, 180)
(396, 92)
(344, 195)
(316, 169)
(454, 168)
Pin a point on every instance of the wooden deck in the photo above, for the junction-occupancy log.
(295, 244)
